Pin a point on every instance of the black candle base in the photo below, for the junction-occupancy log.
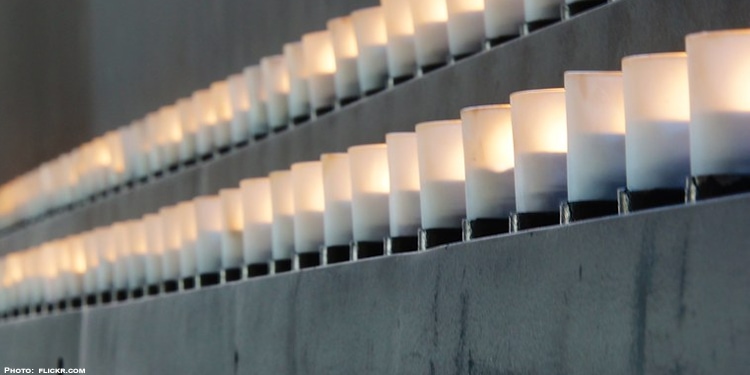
(232, 274)
(16, 312)
(462, 56)
(173, 168)
(715, 186)
(366, 249)
(257, 269)
(530, 220)
(171, 286)
(403, 244)
(207, 157)
(282, 265)
(209, 279)
(106, 297)
(121, 295)
(430, 67)
(188, 283)
(498, 40)
(401, 79)
(241, 144)
(581, 6)
(260, 137)
(50, 308)
(39, 309)
(190, 162)
(279, 128)
(631, 201)
(153, 290)
(76, 303)
(143, 180)
(346, 101)
(26, 311)
(136, 293)
(158, 174)
(429, 238)
(224, 149)
(323, 111)
(298, 120)
(478, 228)
(530, 27)
(91, 300)
(336, 254)
(306, 260)
(62, 305)
(582, 210)
(374, 91)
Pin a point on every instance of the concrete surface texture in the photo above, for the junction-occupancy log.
(594, 40)
(660, 292)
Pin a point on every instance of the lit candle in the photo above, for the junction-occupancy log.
(370, 189)
(222, 104)
(502, 19)
(233, 225)
(441, 174)
(240, 100)
(119, 242)
(719, 102)
(92, 262)
(596, 135)
(465, 26)
(282, 200)
(258, 215)
(488, 162)
(403, 200)
(189, 234)
(337, 188)
(49, 272)
(136, 146)
(189, 125)
(208, 250)
(75, 265)
(309, 203)
(258, 117)
(155, 242)
(276, 86)
(400, 28)
(346, 51)
(320, 65)
(117, 166)
(206, 117)
(138, 254)
(170, 135)
(542, 10)
(372, 40)
(172, 237)
(299, 102)
(430, 32)
(540, 147)
(33, 276)
(657, 115)
(155, 158)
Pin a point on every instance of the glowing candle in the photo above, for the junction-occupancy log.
(596, 135)
(403, 200)
(400, 28)
(232, 227)
(502, 18)
(276, 88)
(49, 272)
(155, 242)
(33, 276)
(657, 117)
(370, 188)
(309, 203)
(540, 147)
(488, 161)
(207, 118)
(320, 65)
(156, 160)
(337, 188)
(222, 104)
(189, 126)
(170, 134)
(107, 258)
(135, 146)
(92, 262)
(189, 234)
(119, 242)
(299, 102)
(372, 40)
(74, 265)
(282, 199)
(345, 50)
(465, 26)
(430, 31)
(240, 100)
(138, 254)
(258, 215)
(258, 118)
(172, 237)
(208, 251)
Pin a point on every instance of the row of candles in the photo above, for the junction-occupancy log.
(498, 168)
(356, 55)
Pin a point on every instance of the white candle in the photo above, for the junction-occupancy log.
(465, 26)
(155, 157)
(372, 40)
(240, 100)
(49, 272)
(107, 258)
(170, 135)
(189, 229)
(189, 125)
(299, 102)
(155, 241)
(258, 118)
(596, 135)
(170, 259)
(120, 242)
(223, 108)
(400, 28)
(320, 64)
(35, 276)
(208, 249)
(258, 215)
(370, 188)
(233, 224)
(430, 31)
(117, 166)
(92, 262)
(540, 146)
(135, 149)
(657, 117)
(138, 254)
(345, 50)
(403, 170)
(276, 89)
(337, 187)
(309, 203)
(282, 199)
(441, 174)
(206, 117)
(502, 18)
(75, 267)
(542, 10)
(719, 102)
(488, 158)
